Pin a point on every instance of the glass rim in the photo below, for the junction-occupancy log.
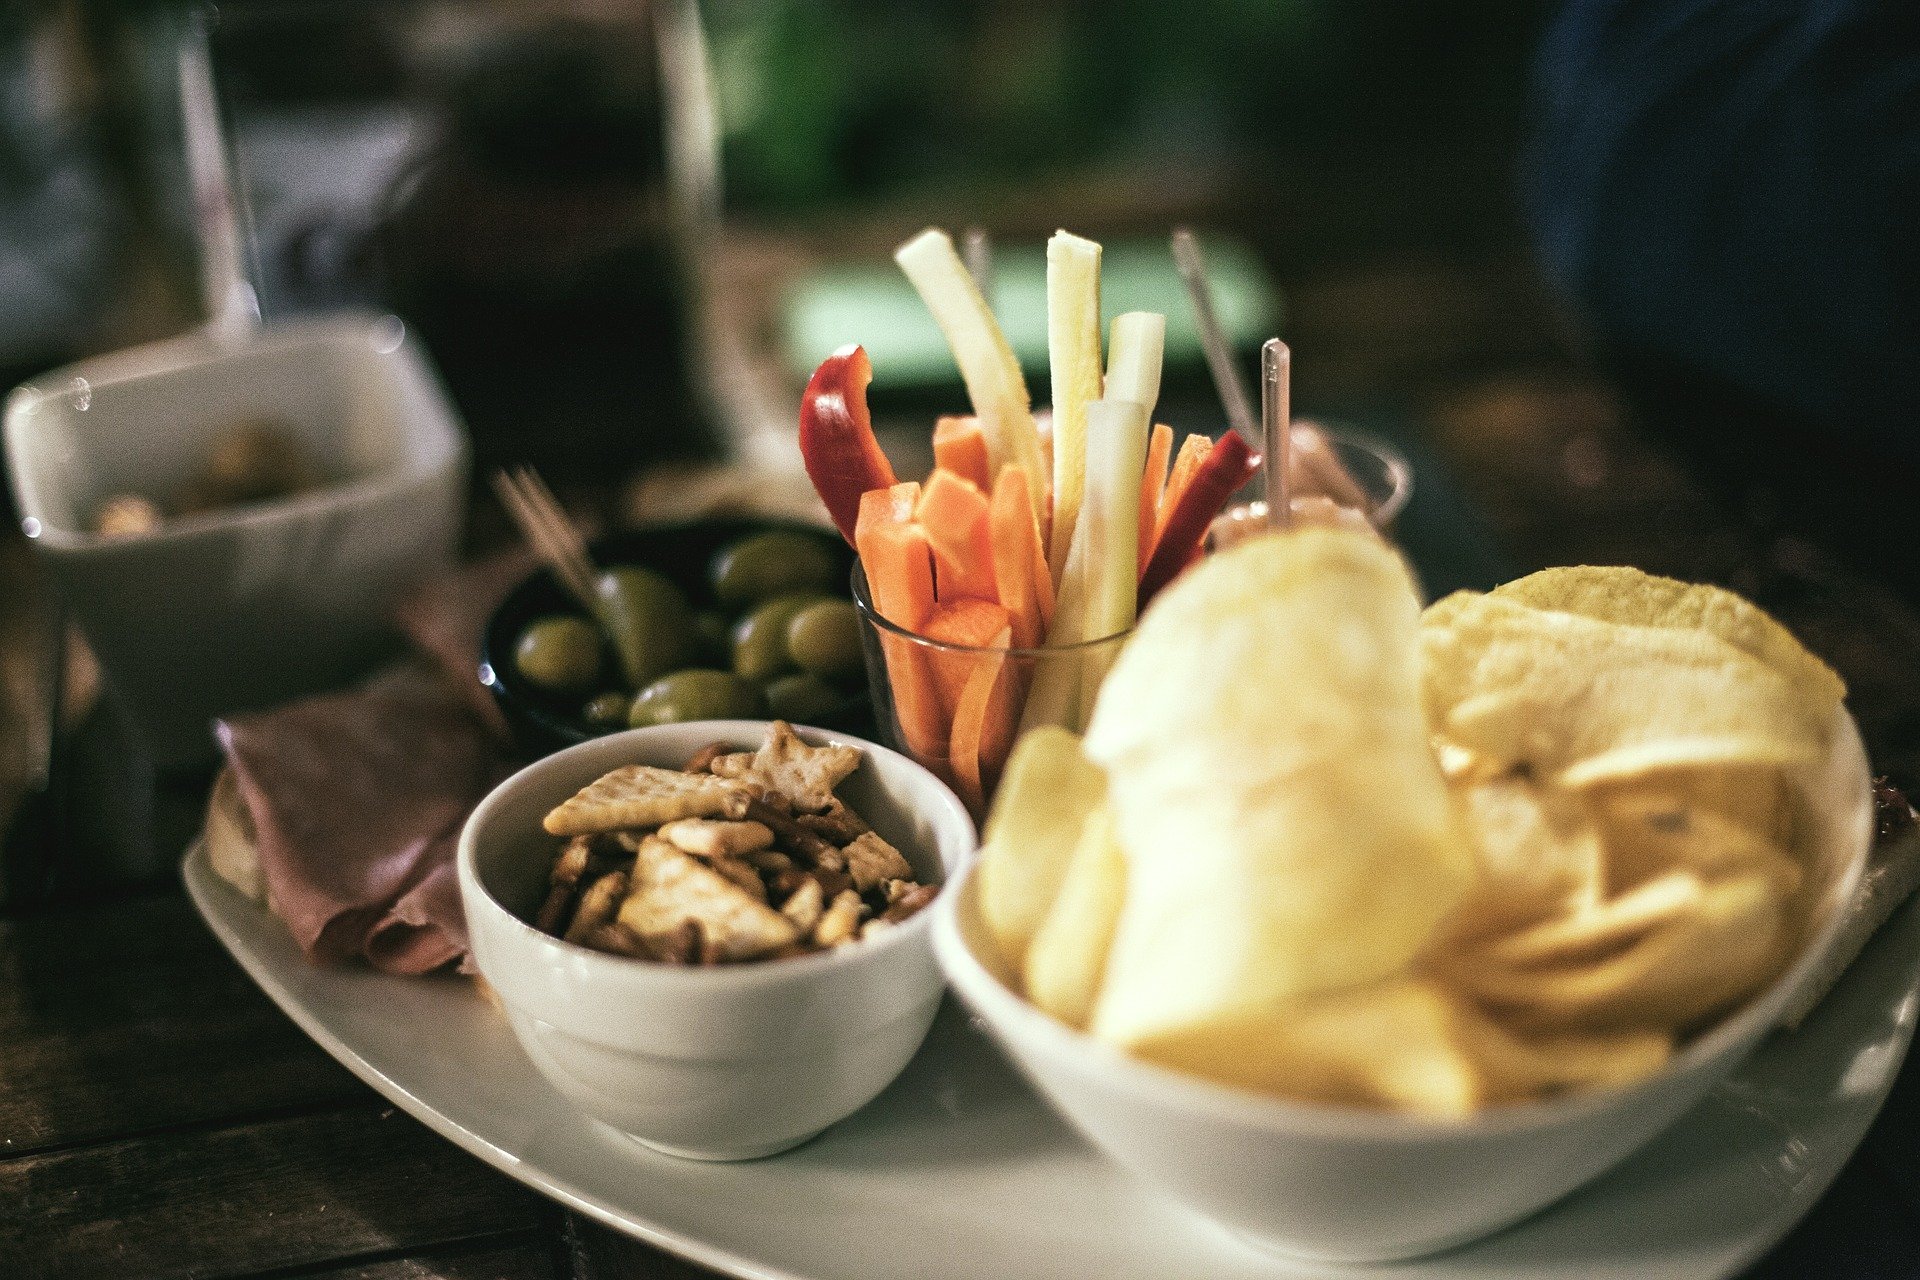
(863, 602)
(1399, 469)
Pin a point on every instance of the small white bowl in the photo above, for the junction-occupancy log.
(724, 1063)
(1331, 1183)
(235, 610)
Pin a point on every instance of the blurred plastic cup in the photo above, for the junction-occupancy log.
(1382, 473)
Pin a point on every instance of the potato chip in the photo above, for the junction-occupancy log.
(1580, 701)
(1539, 852)
(1285, 825)
(1590, 934)
(1068, 957)
(1651, 829)
(1694, 963)
(1615, 594)
(1048, 790)
(1405, 1043)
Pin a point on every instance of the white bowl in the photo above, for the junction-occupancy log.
(1333, 1183)
(245, 608)
(723, 1063)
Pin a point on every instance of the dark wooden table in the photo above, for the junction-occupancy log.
(158, 1117)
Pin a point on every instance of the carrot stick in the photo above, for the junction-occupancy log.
(960, 446)
(1019, 561)
(1193, 451)
(980, 719)
(899, 567)
(971, 624)
(1153, 482)
(954, 514)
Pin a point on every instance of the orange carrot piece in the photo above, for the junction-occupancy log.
(968, 746)
(954, 514)
(960, 446)
(1193, 451)
(971, 624)
(1001, 724)
(1153, 482)
(899, 566)
(1019, 559)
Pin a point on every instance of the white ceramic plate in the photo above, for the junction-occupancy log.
(959, 1170)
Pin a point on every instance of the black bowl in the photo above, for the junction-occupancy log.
(544, 722)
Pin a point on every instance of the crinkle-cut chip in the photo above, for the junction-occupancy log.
(669, 887)
(1273, 784)
(805, 775)
(1697, 962)
(871, 860)
(1540, 855)
(711, 839)
(1616, 594)
(1581, 701)
(1068, 958)
(1405, 1043)
(1651, 830)
(639, 795)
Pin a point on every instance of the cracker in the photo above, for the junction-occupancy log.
(871, 860)
(805, 775)
(639, 795)
(838, 825)
(711, 839)
(671, 887)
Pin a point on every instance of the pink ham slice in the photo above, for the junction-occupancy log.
(357, 799)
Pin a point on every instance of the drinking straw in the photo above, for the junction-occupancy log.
(1226, 376)
(233, 308)
(1276, 427)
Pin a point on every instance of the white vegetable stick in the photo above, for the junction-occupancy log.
(1073, 361)
(995, 384)
(1098, 589)
(1054, 696)
(1135, 347)
(1116, 456)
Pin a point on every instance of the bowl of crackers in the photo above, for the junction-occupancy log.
(712, 936)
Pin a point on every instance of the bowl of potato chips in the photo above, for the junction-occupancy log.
(1368, 930)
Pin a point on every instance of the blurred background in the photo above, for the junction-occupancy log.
(496, 173)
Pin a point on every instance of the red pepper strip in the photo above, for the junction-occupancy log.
(836, 437)
(1230, 465)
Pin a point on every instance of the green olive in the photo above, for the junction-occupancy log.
(824, 639)
(778, 563)
(713, 637)
(696, 694)
(802, 698)
(648, 620)
(760, 639)
(607, 710)
(561, 653)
